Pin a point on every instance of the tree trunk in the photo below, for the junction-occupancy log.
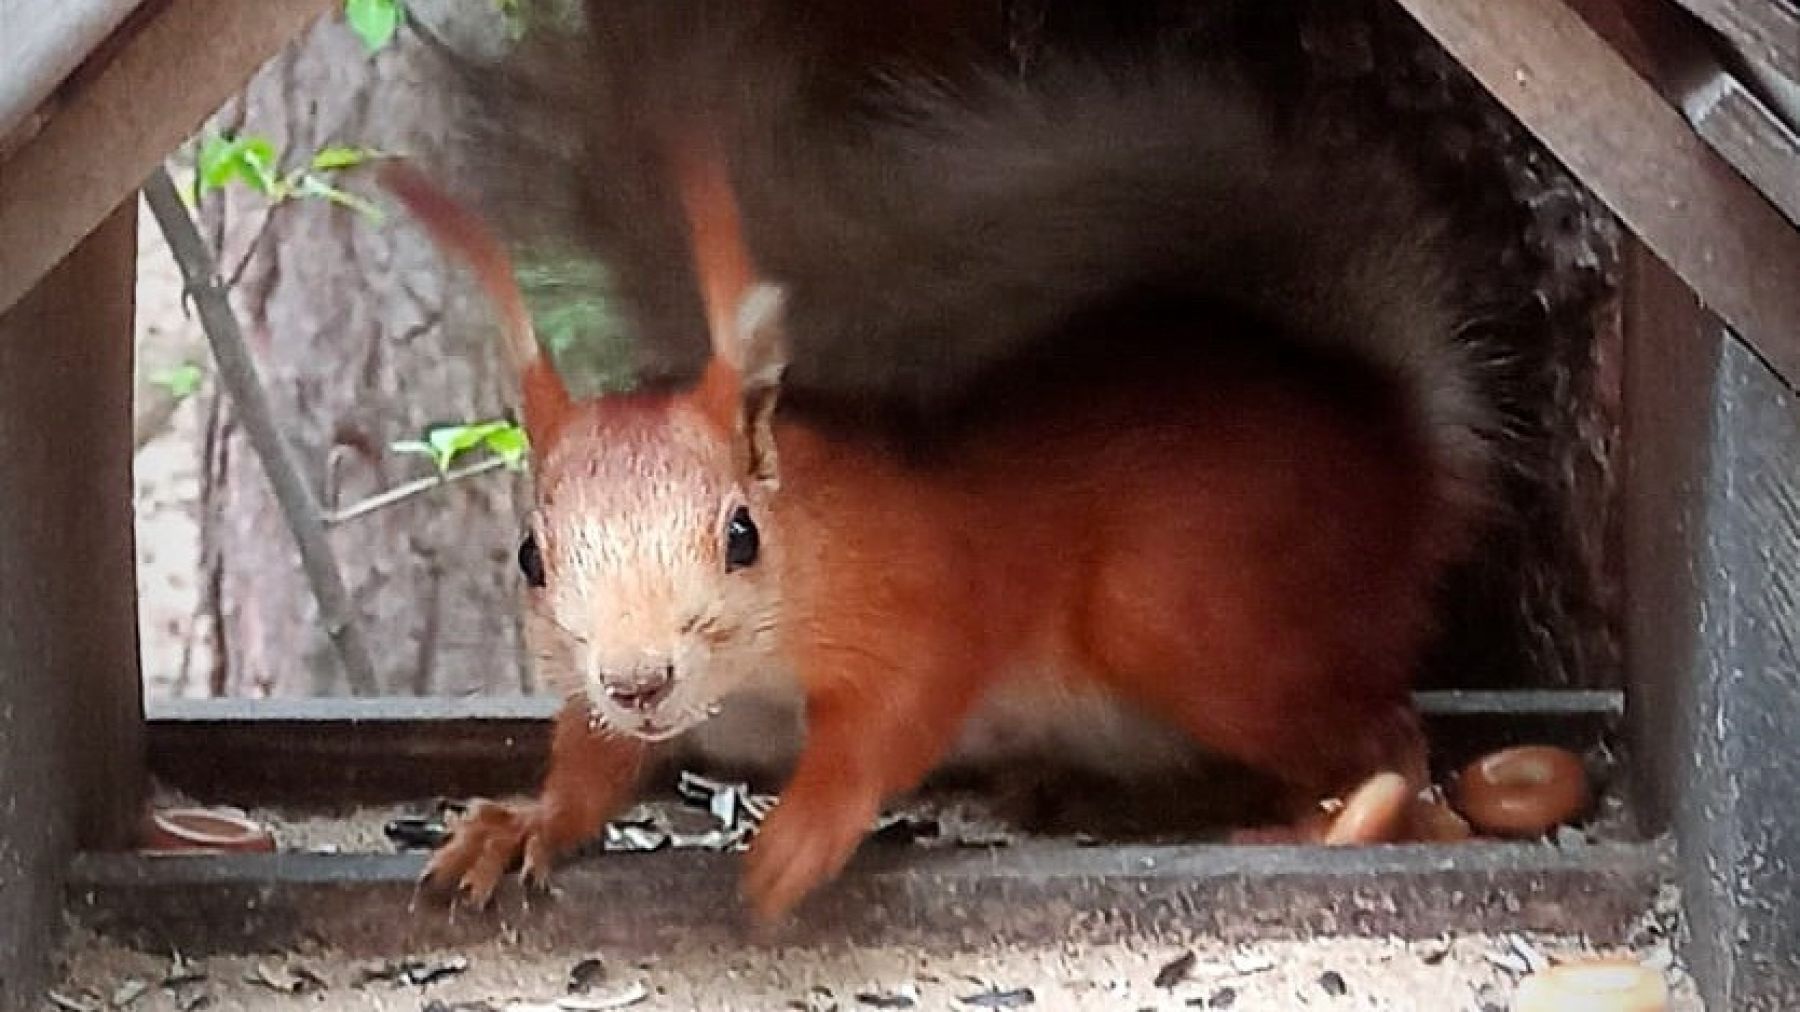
(363, 336)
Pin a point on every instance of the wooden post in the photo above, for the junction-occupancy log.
(71, 707)
(1713, 634)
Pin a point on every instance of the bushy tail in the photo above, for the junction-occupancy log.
(934, 222)
(978, 218)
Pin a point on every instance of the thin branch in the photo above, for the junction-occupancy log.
(237, 374)
(400, 493)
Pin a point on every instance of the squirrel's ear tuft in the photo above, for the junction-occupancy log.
(743, 317)
(458, 231)
(739, 393)
(763, 351)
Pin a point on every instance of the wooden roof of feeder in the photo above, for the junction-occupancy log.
(1683, 116)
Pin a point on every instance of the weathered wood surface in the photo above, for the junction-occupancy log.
(71, 730)
(1714, 636)
(1738, 822)
(42, 43)
(93, 154)
(1670, 51)
(1767, 31)
(1638, 154)
(1753, 139)
(937, 900)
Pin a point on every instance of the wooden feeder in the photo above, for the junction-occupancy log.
(1700, 163)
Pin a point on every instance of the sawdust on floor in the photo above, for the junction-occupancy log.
(1472, 973)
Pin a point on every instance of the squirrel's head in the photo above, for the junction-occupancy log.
(648, 557)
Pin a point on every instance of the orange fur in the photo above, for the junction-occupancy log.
(1241, 544)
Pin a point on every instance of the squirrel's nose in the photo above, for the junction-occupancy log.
(642, 688)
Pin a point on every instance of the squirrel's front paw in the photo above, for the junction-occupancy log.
(489, 841)
(799, 848)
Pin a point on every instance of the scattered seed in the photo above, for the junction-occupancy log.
(1245, 962)
(1175, 970)
(1509, 962)
(416, 832)
(1018, 997)
(905, 829)
(182, 972)
(631, 837)
(818, 999)
(724, 806)
(1332, 982)
(586, 975)
(637, 992)
(1434, 951)
(68, 1004)
(412, 972)
(1528, 954)
(130, 991)
(293, 979)
(1223, 998)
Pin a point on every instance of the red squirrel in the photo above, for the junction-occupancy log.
(1207, 446)
(1231, 542)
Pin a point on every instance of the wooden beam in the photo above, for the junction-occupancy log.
(1767, 31)
(42, 46)
(92, 155)
(1757, 143)
(71, 716)
(636, 906)
(1637, 153)
(1670, 50)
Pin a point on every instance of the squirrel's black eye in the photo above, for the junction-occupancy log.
(531, 561)
(741, 540)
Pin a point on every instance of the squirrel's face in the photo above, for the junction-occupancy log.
(646, 564)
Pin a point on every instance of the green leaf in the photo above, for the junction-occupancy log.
(448, 442)
(258, 160)
(508, 443)
(337, 157)
(373, 21)
(250, 160)
(181, 381)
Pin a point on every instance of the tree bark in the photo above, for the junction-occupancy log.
(363, 336)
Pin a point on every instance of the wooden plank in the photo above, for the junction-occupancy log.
(71, 729)
(1753, 139)
(41, 44)
(1671, 365)
(155, 93)
(1669, 50)
(1713, 634)
(1767, 31)
(1738, 827)
(634, 906)
(379, 751)
(1635, 151)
